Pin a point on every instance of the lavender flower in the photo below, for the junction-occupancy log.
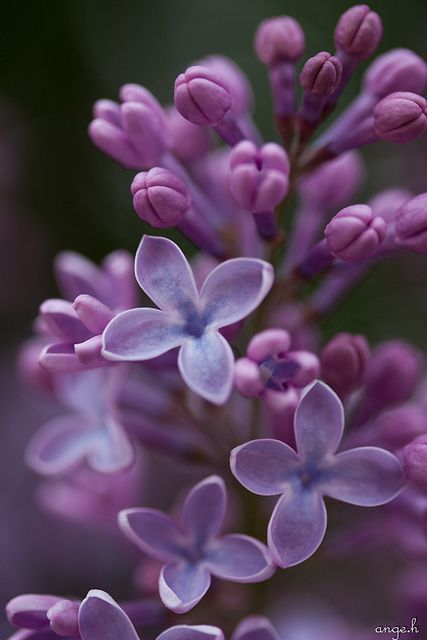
(192, 549)
(367, 476)
(401, 117)
(355, 233)
(186, 318)
(344, 361)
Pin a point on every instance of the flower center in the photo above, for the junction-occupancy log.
(277, 372)
(195, 325)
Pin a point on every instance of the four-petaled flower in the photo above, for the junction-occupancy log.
(365, 476)
(187, 318)
(192, 549)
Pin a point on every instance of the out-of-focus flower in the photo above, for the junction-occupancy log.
(401, 117)
(344, 361)
(411, 224)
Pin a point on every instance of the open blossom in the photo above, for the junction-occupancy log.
(187, 318)
(366, 476)
(192, 549)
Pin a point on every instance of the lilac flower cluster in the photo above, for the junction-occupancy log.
(219, 364)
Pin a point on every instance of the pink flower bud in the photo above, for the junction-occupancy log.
(344, 360)
(259, 177)
(355, 233)
(401, 117)
(279, 39)
(189, 141)
(160, 197)
(321, 74)
(201, 96)
(411, 224)
(235, 80)
(396, 70)
(415, 461)
(358, 31)
(63, 618)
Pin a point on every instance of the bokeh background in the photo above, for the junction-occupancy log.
(58, 192)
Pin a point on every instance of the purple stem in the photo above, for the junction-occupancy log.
(317, 260)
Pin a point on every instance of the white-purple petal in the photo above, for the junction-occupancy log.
(76, 275)
(234, 289)
(140, 334)
(192, 632)
(365, 476)
(163, 272)
(30, 610)
(297, 526)
(206, 364)
(255, 628)
(319, 422)
(239, 558)
(204, 510)
(264, 466)
(182, 585)
(153, 531)
(101, 618)
(112, 450)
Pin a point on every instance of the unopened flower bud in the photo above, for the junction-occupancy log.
(236, 81)
(189, 141)
(201, 96)
(355, 233)
(401, 117)
(415, 461)
(398, 427)
(411, 224)
(279, 39)
(387, 203)
(358, 32)
(321, 74)
(63, 618)
(160, 197)
(396, 70)
(343, 361)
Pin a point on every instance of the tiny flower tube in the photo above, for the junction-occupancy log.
(411, 224)
(401, 117)
(355, 233)
(203, 98)
(357, 35)
(133, 133)
(344, 361)
(415, 461)
(259, 180)
(162, 199)
(279, 43)
(319, 77)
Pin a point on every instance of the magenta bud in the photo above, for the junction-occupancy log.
(358, 32)
(160, 197)
(201, 96)
(63, 618)
(401, 117)
(396, 70)
(189, 141)
(279, 39)
(355, 233)
(235, 80)
(268, 342)
(259, 177)
(415, 461)
(411, 224)
(321, 74)
(343, 361)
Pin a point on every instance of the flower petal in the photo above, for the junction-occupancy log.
(183, 585)
(234, 289)
(239, 558)
(112, 451)
(140, 334)
(30, 610)
(264, 466)
(366, 476)
(60, 444)
(319, 422)
(76, 274)
(297, 527)
(101, 618)
(192, 632)
(153, 531)
(255, 628)
(163, 272)
(206, 364)
(204, 510)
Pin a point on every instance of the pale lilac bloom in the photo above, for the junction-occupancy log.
(188, 318)
(92, 433)
(40, 617)
(365, 476)
(192, 548)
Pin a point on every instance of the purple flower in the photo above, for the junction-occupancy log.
(160, 198)
(344, 362)
(401, 117)
(415, 461)
(411, 224)
(254, 628)
(192, 549)
(187, 318)
(279, 39)
(366, 476)
(354, 233)
(201, 96)
(395, 70)
(91, 433)
(358, 32)
(43, 617)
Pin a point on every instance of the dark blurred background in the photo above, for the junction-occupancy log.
(57, 191)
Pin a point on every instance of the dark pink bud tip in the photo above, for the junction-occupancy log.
(355, 233)
(160, 197)
(321, 74)
(201, 96)
(411, 224)
(279, 39)
(358, 31)
(401, 117)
